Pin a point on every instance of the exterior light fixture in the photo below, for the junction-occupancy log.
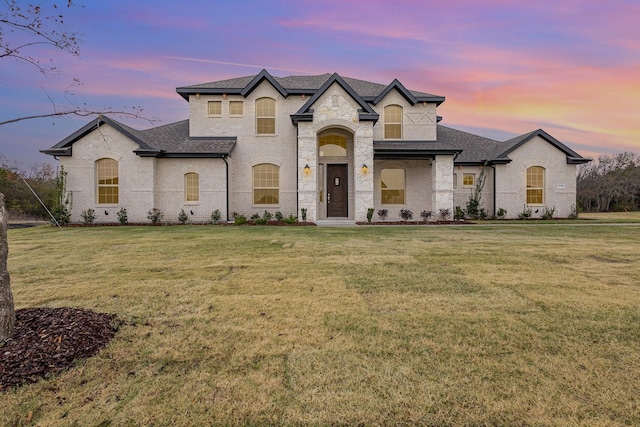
(307, 169)
(365, 168)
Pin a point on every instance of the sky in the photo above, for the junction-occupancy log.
(506, 67)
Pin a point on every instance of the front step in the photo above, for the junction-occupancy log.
(336, 222)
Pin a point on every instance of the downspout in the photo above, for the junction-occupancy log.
(297, 172)
(227, 180)
(494, 190)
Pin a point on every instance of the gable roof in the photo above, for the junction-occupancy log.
(298, 85)
(171, 140)
(305, 113)
(512, 144)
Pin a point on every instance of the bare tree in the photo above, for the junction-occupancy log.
(7, 310)
(25, 30)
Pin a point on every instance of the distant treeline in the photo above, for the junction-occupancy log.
(610, 183)
(19, 200)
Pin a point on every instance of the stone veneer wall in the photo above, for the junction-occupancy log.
(442, 179)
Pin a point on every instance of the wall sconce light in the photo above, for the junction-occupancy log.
(307, 169)
(365, 168)
(106, 213)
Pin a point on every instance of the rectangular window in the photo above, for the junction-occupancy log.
(393, 122)
(235, 108)
(469, 179)
(266, 116)
(535, 185)
(107, 171)
(392, 186)
(215, 108)
(266, 178)
(192, 187)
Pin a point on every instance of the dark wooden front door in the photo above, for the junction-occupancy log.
(337, 191)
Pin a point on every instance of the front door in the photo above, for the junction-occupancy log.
(337, 191)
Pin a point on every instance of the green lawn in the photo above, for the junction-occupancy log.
(452, 325)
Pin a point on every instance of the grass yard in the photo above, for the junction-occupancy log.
(459, 325)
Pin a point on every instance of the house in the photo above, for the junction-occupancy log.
(333, 145)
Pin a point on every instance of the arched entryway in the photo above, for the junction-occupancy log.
(335, 178)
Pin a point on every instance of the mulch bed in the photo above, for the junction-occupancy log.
(49, 340)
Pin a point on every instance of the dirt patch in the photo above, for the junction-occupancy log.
(50, 340)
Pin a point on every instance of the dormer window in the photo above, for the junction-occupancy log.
(393, 122)
(266, 116)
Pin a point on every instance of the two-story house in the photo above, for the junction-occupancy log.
(333, 145)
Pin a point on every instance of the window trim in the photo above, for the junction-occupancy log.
(213, 102)
(389, 123)
(231, 113)
(187, 193)
(105, 186)
(403, 189)
(255, 187)
(473, 179)
(264, 117)
(530, 188)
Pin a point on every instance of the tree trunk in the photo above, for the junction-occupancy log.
(7, 310)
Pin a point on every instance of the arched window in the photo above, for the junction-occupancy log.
(266, 116)
(535, 185)
(392, 186)
(332, 146)
(107, 179)
(191, 187)
(266, 184)
(393, 122)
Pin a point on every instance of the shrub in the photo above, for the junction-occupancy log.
(239, 219)
(303, 214)
(573, 214)
(61, 210)
(88, 216)
(482, 213)
(458, 214)
(290, 219)
(501, 213)
(279, 216)
(444, 214)
(526, 213)
(383, 213)
(183, 217)
(215, 216)
(406, 214)
(425, 215)
(123, 218)
(370, 214)
(267, 216)
(547, 213)
(155, 215)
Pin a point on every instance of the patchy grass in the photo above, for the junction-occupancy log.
(488, 325)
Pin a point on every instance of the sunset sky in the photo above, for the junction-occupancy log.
(505, 67)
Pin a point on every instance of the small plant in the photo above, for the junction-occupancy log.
(279, 216)
(256, 219)
(425, 215)
(123, 218)
(155, 215)
(239, 219)
(88, 216)
(573, 212)
(444, 214)
(526, 213)
(406, 214)
(61, 209)
(501, 213)
(183, 217)
(383, 214)
(303, 214)
(267, 216)
(547, 213)
(370, 212)
(290, 219)
(458, 214)
(215, 216)
(482, 213)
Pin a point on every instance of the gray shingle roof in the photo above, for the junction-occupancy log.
(299, 84)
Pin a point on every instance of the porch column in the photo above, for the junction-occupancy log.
(363, 155)
(307, 182)
(442, 179)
